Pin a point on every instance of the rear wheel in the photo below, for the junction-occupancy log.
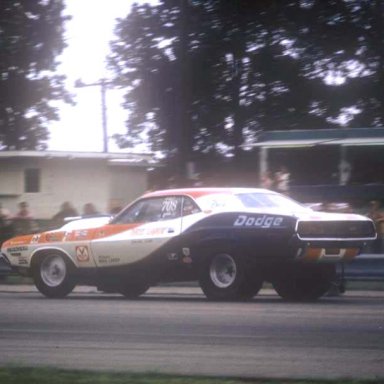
(305, 282)
(53, 275)
(224, 277)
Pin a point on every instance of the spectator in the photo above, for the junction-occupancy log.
(66, 210)
(23, 212)
(6, 229)
(115, 207)
(5, 215)
(266, 180)
(345, 171)
(282, 179)
(23, 222)
(89, 209)
(376, 213)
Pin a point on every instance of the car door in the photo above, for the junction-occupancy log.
(137, 232)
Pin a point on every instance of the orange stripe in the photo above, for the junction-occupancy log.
(74, 235)
(351, 253)
(52, 237)
(110, 230)
(100, 232)
(312, 254)
(19, 240)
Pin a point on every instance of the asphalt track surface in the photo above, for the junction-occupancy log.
(175, 330)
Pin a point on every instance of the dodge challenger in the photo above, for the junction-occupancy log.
(229, 240)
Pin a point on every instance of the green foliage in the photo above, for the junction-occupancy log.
(31, 38)
(47, 376)
(207, 76)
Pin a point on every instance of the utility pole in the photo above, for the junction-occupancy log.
(102, 83)
(184, 141)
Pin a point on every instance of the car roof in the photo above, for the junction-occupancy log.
(199, 192)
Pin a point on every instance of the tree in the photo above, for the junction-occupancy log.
(340, 44)
(31, 38)
(224, 55)
(249, 66)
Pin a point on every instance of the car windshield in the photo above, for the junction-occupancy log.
(269, 200)
(250, 200)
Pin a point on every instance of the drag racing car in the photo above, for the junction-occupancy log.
(230, 240)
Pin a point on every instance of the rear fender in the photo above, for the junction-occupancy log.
(203, 249)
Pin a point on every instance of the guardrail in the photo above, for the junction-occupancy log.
(365, 267)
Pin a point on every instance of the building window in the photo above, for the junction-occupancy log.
(32, 180)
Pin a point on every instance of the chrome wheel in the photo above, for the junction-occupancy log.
(223, 270)
(53, 270)
(53, 273)
(224, 275)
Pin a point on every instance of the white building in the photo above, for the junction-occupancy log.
(47, 179)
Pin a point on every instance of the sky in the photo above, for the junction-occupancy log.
(87, 35)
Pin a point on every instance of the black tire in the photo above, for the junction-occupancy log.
(133, 290)
(53, 275)
(305, 282)
(224, 277)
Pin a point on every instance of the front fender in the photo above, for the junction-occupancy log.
(38, 253)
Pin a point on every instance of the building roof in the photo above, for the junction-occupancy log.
(112, 158)
(314, 137)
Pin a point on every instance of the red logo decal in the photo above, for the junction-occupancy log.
(82, 253)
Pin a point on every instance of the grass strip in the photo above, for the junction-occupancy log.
(18, 375)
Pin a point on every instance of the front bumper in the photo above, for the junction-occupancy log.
(5, 266)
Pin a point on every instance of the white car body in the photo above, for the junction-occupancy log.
(170, 235)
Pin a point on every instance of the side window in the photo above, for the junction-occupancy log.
(150, 210)
(189, 206)
(131, 214)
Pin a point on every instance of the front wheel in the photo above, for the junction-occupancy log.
(53, 275)
(305, 282)
(224, 277)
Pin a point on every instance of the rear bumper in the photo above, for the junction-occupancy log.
(328, 250)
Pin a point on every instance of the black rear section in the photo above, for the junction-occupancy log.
(336, 229)
(257, 236)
